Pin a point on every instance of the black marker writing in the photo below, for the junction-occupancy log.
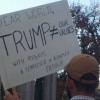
(10, 19)
(19, 41)
(18, 62)
(39, 12)
(20, 38)
(3, 38)
(54, 31)
(32, 38)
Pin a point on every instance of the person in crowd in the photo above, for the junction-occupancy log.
(83, 77)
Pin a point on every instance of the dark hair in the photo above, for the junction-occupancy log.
(86, 87)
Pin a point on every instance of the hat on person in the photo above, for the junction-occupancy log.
(83, 65)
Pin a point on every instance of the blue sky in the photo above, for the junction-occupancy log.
(7, 6)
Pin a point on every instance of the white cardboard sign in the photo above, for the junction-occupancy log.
(36, 42)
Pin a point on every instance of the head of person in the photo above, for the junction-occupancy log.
(83, 75)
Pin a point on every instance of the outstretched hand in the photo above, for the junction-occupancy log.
(11, 96)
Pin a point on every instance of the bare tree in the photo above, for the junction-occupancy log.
(87, 22)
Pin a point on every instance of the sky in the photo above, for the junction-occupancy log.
(7, 6)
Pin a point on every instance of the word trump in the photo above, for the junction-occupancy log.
(28, 40)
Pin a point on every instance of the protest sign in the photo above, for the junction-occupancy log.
(36, 42)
